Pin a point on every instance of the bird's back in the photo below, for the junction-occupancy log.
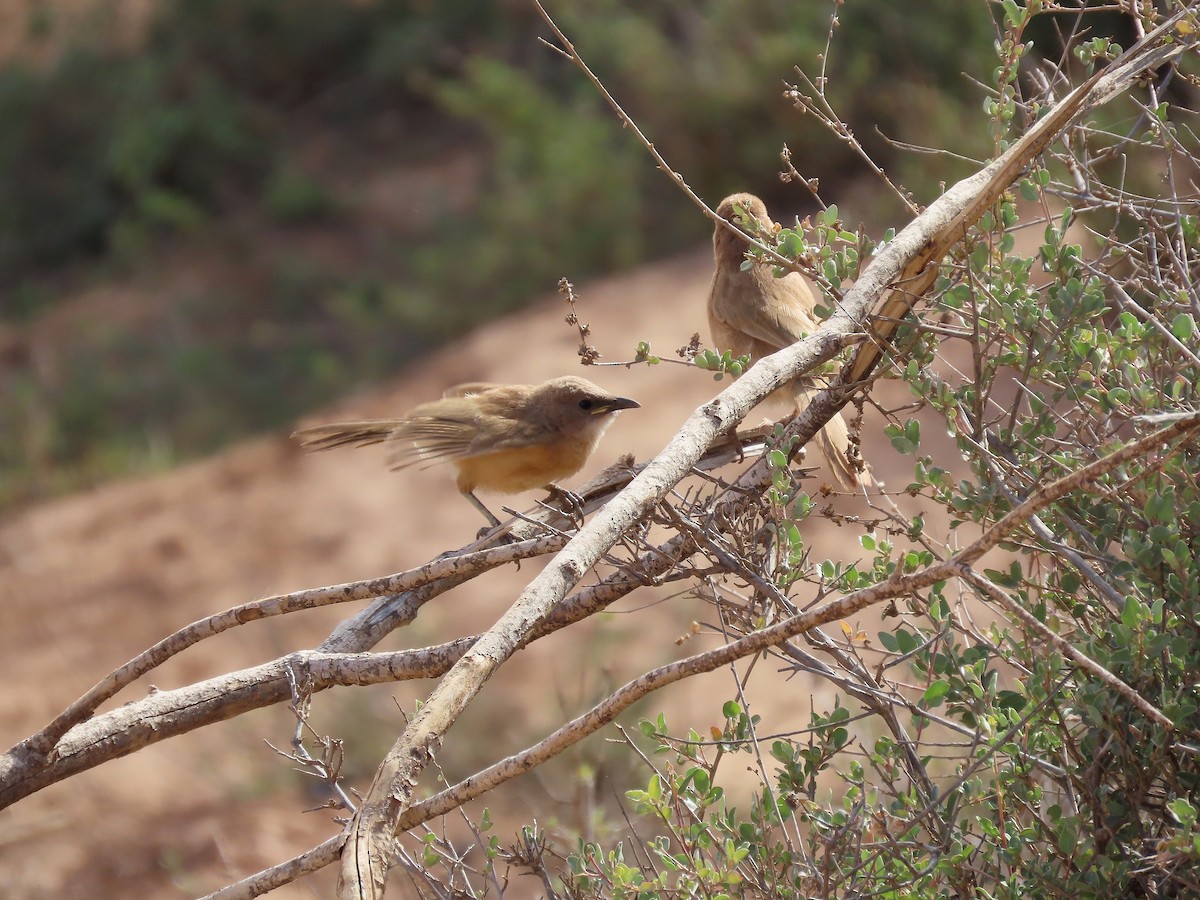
(752, 312)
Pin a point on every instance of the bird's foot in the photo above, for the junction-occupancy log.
(565, 501)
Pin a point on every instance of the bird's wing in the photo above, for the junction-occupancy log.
(430, 439)
(471, 387)
(775, 311)
(456, 428)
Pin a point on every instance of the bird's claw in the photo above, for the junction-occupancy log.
(565, 501)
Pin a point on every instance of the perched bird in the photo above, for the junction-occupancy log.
(751, 312)
(505, 438)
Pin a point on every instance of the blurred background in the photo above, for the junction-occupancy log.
(219, 217)
(216, 215)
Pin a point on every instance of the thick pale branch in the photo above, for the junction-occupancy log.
(175, 712)
(165, 714)
(30, 765)
(179, 711)
(260, 883)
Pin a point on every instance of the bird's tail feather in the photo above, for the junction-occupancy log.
(834, 440)
(346, 434)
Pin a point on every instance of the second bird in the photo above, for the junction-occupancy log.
(751, 312)
(505, 438)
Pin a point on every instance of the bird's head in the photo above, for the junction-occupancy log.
(749, 214)
(574, 404)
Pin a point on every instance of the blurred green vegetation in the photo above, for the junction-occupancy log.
(234, 126)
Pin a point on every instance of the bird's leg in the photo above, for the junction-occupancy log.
(731, 434)
(478, 504)
(567, 501)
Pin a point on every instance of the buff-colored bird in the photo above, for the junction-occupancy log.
(504, 438)
(751, 312)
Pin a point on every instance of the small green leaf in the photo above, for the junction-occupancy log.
(1183, 811)
(935, 692)
(699, 778)
(783, 751)
(1131, 614)
(1013, 15)
(1184, 326)
(791, 245)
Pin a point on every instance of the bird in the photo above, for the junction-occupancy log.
(753, 313)
(504, 438)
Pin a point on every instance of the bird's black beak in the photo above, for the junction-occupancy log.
(613, 404)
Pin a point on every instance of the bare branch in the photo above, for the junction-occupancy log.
(460, 564)
(260, 883)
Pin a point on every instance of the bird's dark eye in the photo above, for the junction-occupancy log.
(586, 404)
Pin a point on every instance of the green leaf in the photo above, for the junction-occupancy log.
(1011, 700)
(831, 272)
(1184, 326)
(791, 245)
(900, 440)
(1068, 837)
(912, 431)
(1183, 811)
(935, 692)
(1131, 614)
(1014, 15)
